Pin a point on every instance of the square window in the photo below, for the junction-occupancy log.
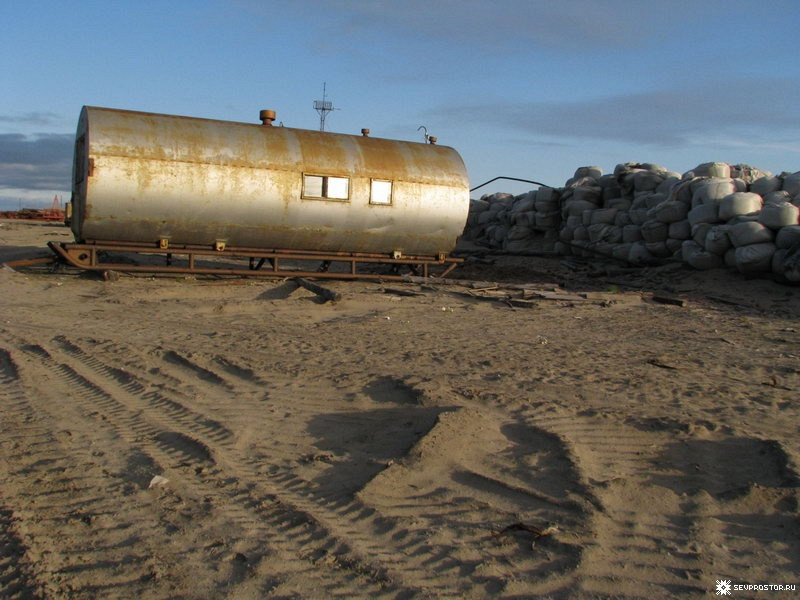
(338, 188)
(312, 186)
(380, 192)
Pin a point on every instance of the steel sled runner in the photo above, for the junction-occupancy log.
(248, 262)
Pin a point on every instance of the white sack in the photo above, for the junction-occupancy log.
(545, 206)
(524, 204)
(766, 185)
(518, 232)
(658, 249)
(739, 203)
(646, 181)
(680, 230)
(748, 233)
(789, 265)
(755, 258)
(602, 215)
(717, 240)
(712, 190)
(485, 217)
(619, 203)
(593, 172)
(703, 213)
(622, 218)
(638, 215)
(639, 255)
(545, 194)
(788, 236)
(730, 258)
(621, 251)
(574, 220)
(747, 173)
(791, 184)
(546, 220)
(654, 199)
(631, 233)
(601, 232)
(673, 245)
(779, 214)
(654, 231)
(694, 255)
(700, 231)
(665, 187)
(670, 211)
(588, 194)
(712, 169)
(576, 207)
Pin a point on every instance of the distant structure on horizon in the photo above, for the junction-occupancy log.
(323, 107)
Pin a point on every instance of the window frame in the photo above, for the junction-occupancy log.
(372, 200)
(325, 187)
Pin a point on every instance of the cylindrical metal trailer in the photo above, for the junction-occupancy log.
(167, 180)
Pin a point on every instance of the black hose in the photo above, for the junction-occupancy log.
(512, 179)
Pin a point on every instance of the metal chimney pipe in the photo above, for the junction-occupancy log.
(267, 117)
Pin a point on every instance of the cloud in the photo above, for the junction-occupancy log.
(41, 162)
(576, 24)
(32, 118)
(764, 110)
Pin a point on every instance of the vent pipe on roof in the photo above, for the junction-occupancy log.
(267, 117)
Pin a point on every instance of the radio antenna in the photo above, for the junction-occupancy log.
(323, 107)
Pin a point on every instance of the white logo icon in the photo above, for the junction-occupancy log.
(723, 587)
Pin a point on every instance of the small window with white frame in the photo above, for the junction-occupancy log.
(380, 192)
(326, 187)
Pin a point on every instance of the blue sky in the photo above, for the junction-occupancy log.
(530, 89)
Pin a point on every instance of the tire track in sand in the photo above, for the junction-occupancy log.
(353, 531)
(50, 484)
(98, 392)
(17, 577)
(346, 533)
(671, 516)
(406, 523)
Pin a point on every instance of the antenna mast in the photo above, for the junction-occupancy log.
(323, 107)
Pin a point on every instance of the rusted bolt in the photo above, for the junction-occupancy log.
(267, 117)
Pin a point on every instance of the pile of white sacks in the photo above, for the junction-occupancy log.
(716, 215)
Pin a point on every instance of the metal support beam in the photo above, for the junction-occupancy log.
(242, 261)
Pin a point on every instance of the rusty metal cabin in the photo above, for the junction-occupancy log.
(166, 180)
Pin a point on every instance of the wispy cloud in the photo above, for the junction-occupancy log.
(668, 117)
(32, 118)
(561, 25)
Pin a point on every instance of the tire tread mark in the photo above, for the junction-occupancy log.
(131, 384)
(250, 513)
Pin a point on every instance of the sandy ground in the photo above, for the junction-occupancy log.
(435, 446)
